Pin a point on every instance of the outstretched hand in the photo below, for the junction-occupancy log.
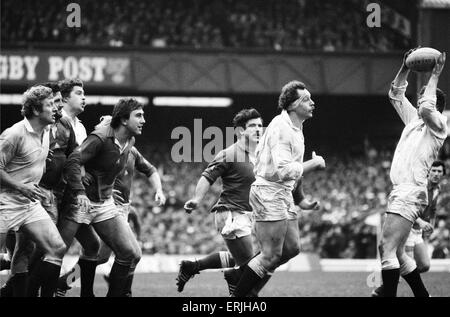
(439, 65)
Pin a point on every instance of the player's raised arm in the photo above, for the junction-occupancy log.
(427, 103)
(402, 105)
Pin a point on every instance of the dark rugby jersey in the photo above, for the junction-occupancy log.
(62, 143)
(430, 210)
(124, 180)
(234, 166)
(103, 162)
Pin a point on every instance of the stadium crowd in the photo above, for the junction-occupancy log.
(271, 24)
(351, 190)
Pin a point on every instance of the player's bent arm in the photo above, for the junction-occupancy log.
(7, 181)
(317, 162)
(202, 188)
(7, 150)
(75, 161)
(280, 148)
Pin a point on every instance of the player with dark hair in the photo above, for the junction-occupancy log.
(232, 211)
(74, 102)
(279, 165)
(422, 138)
(104, 155)
(23, 152)
(121, 194)
(415, 246)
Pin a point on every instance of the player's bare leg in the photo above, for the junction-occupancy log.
(271, 235)
(422, 258)
(46, 237)
(116, 233)
(241, 252)
(395, 231)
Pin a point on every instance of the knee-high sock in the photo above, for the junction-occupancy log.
(129, 283)
(255, 291)
(48, 272)
(252, 274)
(87, 276)
(390, 273)
(19, 283)
(216, 260)
(415, 282)
(118, 279)
(33, 280)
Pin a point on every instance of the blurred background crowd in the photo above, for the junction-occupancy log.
(266, 24)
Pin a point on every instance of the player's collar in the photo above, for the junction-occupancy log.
(285, 116)
(30, 129)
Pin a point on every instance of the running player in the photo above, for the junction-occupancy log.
(232, 211)
(279, 165)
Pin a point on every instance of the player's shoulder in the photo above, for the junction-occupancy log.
(102, 133)
(135, 152)
(14, 132)
(277, 123)
(225, 154)
(65, 123)
(230, 151)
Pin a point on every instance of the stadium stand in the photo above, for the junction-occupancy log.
(275, 25)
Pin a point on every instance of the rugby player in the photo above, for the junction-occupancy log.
(278, 166)
(415, 246)
(103, 155)
(423, 136)
(23, 152)
(121, 194)
(232, 211)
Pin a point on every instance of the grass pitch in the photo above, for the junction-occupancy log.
(282, 284)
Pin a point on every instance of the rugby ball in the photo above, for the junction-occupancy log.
(422, 59)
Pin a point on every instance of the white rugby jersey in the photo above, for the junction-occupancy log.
(279, 154)
(78, 128)
(421, 139)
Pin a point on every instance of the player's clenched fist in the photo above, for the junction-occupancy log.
(318, 160)
(190, 205)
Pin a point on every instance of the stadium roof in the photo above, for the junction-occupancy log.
(435, 4)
